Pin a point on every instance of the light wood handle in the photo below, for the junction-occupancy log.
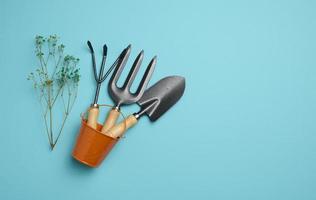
(93, 117)
(118, 130)
(110, 120)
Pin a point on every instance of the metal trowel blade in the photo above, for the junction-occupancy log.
(162, 96)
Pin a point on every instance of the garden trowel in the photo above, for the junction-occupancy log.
(154, 103)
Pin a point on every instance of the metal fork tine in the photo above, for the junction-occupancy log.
(110, 69)
(101, 78)
(147, 75)
(93, 61)
(120, 66)
(132, 73)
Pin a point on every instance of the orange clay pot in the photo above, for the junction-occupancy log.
(92, 146)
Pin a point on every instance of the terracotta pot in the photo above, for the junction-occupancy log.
(92, 146)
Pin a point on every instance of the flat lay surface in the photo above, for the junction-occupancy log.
(244, 128)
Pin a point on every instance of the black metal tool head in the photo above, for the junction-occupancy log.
(99, 78)
(123, 95)
(161, 96)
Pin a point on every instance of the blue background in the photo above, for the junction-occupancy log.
(245, 128)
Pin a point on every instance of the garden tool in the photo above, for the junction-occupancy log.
(94, 108)
(154, 103)
(122, 95)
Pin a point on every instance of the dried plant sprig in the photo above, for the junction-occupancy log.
(55, 79)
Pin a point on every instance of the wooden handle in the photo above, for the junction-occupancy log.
(118, 130)
(110, 120)
(93, 117)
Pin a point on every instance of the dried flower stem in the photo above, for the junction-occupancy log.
(50, 85)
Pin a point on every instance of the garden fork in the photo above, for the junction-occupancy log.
(122, 95)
